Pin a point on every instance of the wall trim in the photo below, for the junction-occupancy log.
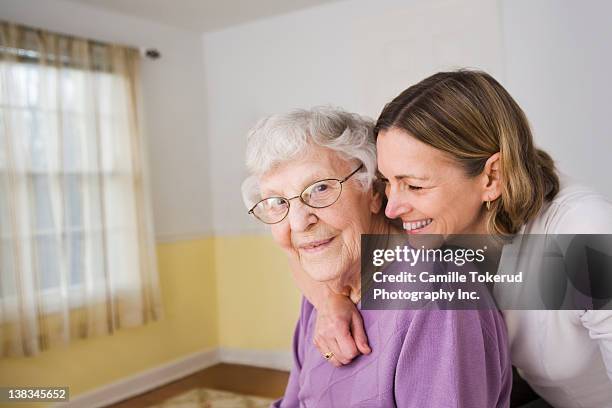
(180, 237)
(225, 233)
(144, 381)
(276, 359)
(148, 380)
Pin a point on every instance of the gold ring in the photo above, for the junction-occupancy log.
(328, 355)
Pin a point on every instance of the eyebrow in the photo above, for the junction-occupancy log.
(401, 177)
(410, 176)
(313, 179)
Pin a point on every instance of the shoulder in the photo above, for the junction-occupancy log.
(442, 324)
(454, 358)
(306, 310)
(576, 209)
(308, 315)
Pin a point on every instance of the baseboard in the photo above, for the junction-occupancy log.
(279, 360)
(150, 379)
(145, 381)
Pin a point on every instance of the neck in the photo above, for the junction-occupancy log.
(350, 284)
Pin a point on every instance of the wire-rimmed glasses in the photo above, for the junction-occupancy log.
(320, 194)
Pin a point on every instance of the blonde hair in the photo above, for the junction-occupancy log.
(470, 116)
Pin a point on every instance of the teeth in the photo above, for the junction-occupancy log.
(409, 226)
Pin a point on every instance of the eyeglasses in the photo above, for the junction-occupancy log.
(319, 194)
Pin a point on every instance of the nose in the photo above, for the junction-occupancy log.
(301, 216)
(396, 204)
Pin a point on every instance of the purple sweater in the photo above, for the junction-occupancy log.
(419, 359)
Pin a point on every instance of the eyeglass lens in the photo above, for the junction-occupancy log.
(318, 195)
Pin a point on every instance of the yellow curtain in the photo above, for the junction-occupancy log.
(76, 240)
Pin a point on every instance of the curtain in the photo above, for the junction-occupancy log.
(77, 256)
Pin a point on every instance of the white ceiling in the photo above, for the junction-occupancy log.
(202, 15)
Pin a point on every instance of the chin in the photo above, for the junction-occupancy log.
(321, 273)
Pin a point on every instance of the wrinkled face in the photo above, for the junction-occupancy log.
(427, 189)
(326, 241)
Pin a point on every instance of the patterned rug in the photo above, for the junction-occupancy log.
(208, 398)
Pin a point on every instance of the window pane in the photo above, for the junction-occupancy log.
(7, 277)
(4, 72)
(72, 198)
(3, 155)
(74, 85)
(76, 266)
(95, 254)
(42, 131)
(43, 208)
(37, 145)
(4, 206)
(31, 76)
(48, 261)
(91, 213)
(73, 126)
(15, 84)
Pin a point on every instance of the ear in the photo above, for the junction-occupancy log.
(375, 201)
(492, 178)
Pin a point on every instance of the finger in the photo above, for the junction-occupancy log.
(359, 334)
(347, 347)
(341, 356)
(325, 346)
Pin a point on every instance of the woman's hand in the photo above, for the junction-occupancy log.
(339, 329)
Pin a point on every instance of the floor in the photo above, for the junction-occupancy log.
(262, 382)
(242, 379)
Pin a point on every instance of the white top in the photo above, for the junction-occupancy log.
(566, 355)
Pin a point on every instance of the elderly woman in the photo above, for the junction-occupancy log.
(312, 174)
(456, 152)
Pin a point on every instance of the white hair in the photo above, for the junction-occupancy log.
(279, 138)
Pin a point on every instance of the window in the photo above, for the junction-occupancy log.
(74, 215)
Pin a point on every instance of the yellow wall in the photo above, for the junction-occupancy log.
(258, 300)
(226, 291)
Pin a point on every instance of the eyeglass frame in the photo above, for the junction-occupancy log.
(288, 200)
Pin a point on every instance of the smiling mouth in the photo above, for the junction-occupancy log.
(316, 246)
(412, 227)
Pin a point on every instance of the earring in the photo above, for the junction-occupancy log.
(488, 205)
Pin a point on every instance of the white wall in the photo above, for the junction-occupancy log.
(356, 54)
(553, 55)
(558, 57)
(173, 103)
